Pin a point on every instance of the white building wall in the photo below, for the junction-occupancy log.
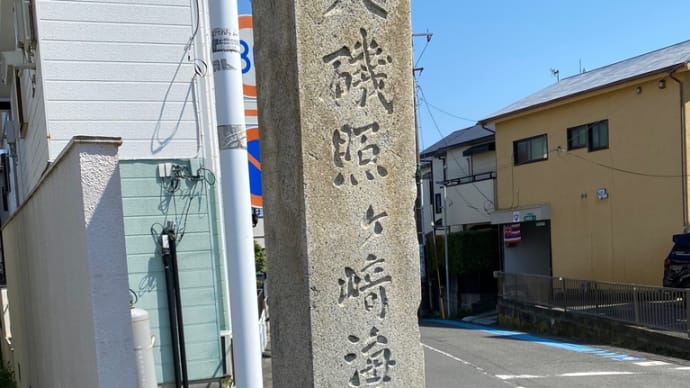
(458, 165)
(484, 162)
(123, 68)
(67, 276)
(117, 68)
(32, 142)
(469, 203)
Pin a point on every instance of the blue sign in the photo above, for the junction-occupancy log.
(246, 25)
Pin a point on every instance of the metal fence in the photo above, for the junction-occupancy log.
(653, 307)
(263, 311)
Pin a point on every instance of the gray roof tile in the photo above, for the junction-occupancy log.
(460, 137)
(646, 64)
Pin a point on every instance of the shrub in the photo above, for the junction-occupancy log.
(259, 257)
(7, 377)
(469, 252)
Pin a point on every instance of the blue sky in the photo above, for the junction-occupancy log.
(485, 55)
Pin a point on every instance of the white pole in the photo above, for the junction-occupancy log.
(239, 238)
(445, 248)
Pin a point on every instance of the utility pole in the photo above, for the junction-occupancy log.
(445, 247)
(420, 190)
(236, 199)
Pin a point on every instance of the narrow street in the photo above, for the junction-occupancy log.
(459, 354)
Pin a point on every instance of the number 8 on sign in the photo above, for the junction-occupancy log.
(247, 55)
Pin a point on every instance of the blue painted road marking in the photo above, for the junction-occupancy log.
(539, 340)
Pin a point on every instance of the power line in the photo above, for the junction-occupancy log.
(428, 36)
(445, 111)
(445, 140)
(618, 169)
(560, 151)
(452, 114)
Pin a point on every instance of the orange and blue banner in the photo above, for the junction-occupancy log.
(251, 113)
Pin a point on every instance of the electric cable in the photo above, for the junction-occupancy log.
(445, 139)
(156, 233)
(186, 193)
(419, 123)
(621, 170)
(419, 58)
(208, 177)
(200, 68)
(451, 114)
(134, 298)
(196, 28)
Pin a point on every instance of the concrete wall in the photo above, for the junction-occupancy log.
(590, 329)
(625, 237)
(67, 275)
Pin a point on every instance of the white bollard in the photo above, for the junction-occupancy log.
(143, 349)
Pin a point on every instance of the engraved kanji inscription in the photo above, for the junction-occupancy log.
(373, 362)
(356, 154)
(368, 285)
(376, 7)
(372, 226)
(360, 73)
(371, 220)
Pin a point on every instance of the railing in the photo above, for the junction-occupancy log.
(226, 336)
(263, 316)
(263, 328)
(470, 179)
(653, 307)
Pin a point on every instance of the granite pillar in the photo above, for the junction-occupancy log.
(336, 111)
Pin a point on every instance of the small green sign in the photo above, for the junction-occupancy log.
(530, 217)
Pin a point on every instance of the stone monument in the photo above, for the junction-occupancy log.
(336, 113)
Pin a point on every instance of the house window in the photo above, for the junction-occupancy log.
(577, 137)
(530, 150)
(438, 205)
(599, 135)
(594, 136)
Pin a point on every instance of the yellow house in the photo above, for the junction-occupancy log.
(592, 171)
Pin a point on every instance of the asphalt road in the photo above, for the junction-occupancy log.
(467, 355)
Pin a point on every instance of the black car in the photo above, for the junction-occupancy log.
(677, 263)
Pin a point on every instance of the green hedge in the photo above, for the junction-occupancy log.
(7, 377)
(471, 251)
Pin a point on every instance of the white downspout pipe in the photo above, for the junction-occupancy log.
(236, 200)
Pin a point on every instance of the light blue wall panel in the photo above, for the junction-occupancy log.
(148, 204)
